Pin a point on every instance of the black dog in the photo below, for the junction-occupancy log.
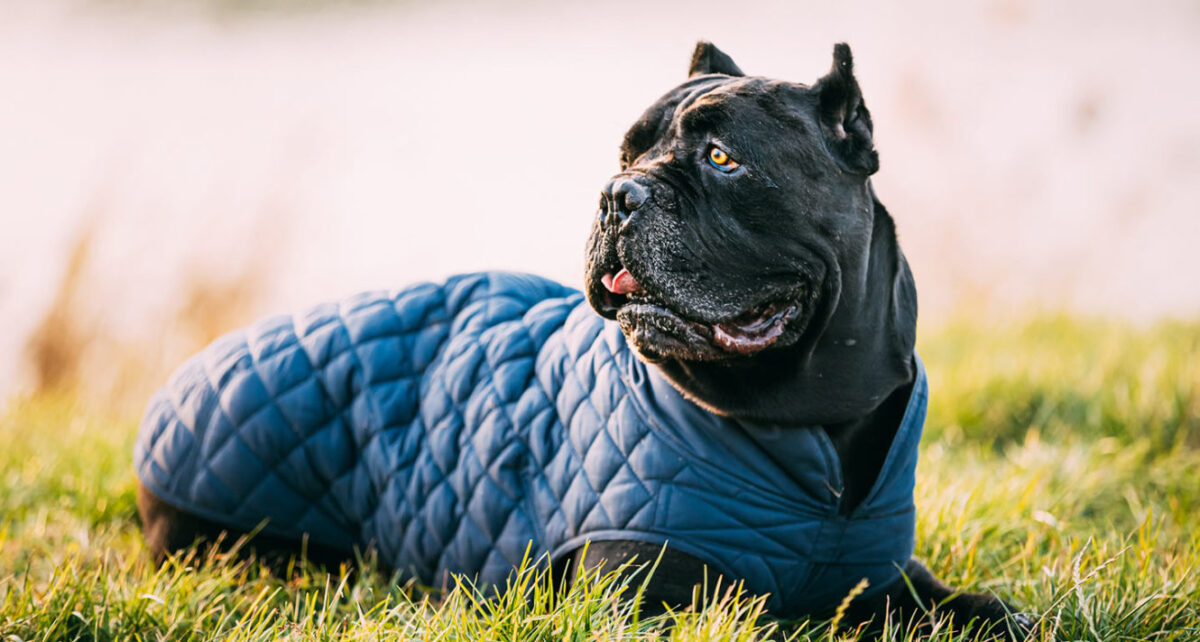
(743, 252)
(749, 199)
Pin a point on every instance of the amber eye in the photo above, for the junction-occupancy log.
(719, 159)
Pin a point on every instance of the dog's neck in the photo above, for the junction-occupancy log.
(856, 352)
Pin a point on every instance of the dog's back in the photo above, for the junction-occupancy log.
(326, 424)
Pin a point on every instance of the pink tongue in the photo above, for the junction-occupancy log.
(622, 283)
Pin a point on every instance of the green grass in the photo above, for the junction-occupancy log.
(1060, 470)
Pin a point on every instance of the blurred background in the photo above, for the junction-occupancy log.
(173, 169)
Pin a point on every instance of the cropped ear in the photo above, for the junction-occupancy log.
(707, 59)
(844, 118)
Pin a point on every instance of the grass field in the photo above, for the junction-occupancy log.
(1060, 469)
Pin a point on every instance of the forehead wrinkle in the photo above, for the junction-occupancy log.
(712, 104)
(699, 98)
(702, 115)
(661, 117)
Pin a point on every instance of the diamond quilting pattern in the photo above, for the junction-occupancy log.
(454, 426)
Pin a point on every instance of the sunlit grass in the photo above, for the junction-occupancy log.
(1061, 470)
(1064, 376)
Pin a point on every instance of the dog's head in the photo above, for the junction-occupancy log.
(741, 204)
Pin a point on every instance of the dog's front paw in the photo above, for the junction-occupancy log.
(1000, 618)
(1021, 626)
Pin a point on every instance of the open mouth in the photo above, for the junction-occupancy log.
(755, 330)
(748, 333)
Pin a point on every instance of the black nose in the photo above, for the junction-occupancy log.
(621, 197)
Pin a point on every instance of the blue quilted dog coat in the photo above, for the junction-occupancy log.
(450, 426)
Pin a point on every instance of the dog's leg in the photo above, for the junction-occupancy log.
(674, 579)
(169, 530)
(929, 598)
